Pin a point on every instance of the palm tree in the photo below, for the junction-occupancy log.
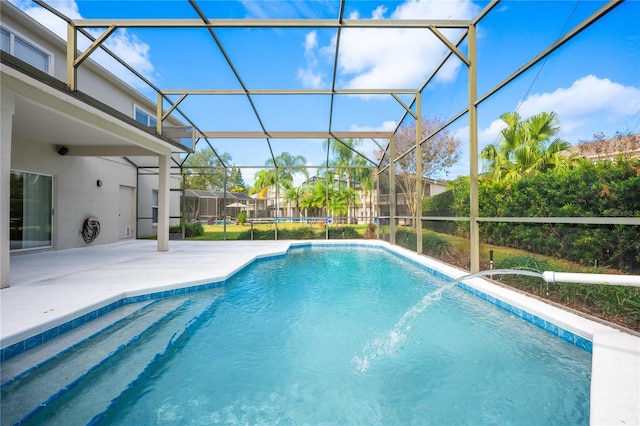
(315, 196)
(526, 147)
(264, 179)
(295, 195)
(367, 182)
(279, 175)
(288, 166)
(345, 159)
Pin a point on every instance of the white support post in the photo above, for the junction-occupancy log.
(7, 109)
(164, 163)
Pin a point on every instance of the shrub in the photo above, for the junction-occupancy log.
(370, 233)
(432, 244)
(242, 218)
(190, 229)
(435, 245)
(343, 233)
(602, 189)
(304, 233)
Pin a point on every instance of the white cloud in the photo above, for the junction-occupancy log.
(589, 99)
(590, 105)
(128, 47)
(310, 42)
(401, 58)
(385, 126)
(311, 76)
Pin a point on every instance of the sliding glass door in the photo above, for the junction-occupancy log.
(31, 210)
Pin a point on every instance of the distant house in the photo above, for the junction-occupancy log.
(211, 206)
(609, 149)
(430, 188)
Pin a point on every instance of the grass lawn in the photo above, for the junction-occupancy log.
(216, 232)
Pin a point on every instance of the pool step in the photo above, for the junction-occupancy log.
(55, 392)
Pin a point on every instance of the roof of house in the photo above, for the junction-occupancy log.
(627, 145)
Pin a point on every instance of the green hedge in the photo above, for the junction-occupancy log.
(190, 229)
(619, 303)
(432, 244)
(602, 189)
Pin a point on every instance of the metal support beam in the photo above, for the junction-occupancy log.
(72, 50)
(96, 43)
(294, 135)
(407, 108)
(418, 211)
(378, 205)
(174, 106)
(392, 192)
(271, 23)
(450, 45)
(474, 228)
(288, 91)
(159, 109)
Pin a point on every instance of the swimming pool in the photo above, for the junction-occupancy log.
(285, 344)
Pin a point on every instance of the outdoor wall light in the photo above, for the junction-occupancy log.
(62, 150)
(99, 182)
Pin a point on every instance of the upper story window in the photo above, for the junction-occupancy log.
(25, 50)
(144, 117)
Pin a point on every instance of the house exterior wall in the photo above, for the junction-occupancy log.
(76, 194)
(93, 79)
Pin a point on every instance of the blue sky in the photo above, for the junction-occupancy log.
(592, 83)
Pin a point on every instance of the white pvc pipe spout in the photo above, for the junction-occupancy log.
(573, 277)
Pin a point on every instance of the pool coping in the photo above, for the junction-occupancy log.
(615, 379)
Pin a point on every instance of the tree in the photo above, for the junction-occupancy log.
(345, 159)
(439, 152)
(286, 167)
(525, 148)
(235, 182)
(264, 179)
(368, 183)
(203, 170)
(294, 195)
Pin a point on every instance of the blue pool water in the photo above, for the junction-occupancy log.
(287, 342)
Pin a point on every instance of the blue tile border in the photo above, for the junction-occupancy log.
(34, 341)
(565, 335)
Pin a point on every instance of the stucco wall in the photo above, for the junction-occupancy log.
(76, 194)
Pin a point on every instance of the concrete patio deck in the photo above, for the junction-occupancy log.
(53, 287)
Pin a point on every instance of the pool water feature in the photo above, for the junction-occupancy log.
(280, 346)
(388, 343)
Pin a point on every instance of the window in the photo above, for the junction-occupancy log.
(30, 210)
(154, 208)
(144, 117)
(24, 50)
